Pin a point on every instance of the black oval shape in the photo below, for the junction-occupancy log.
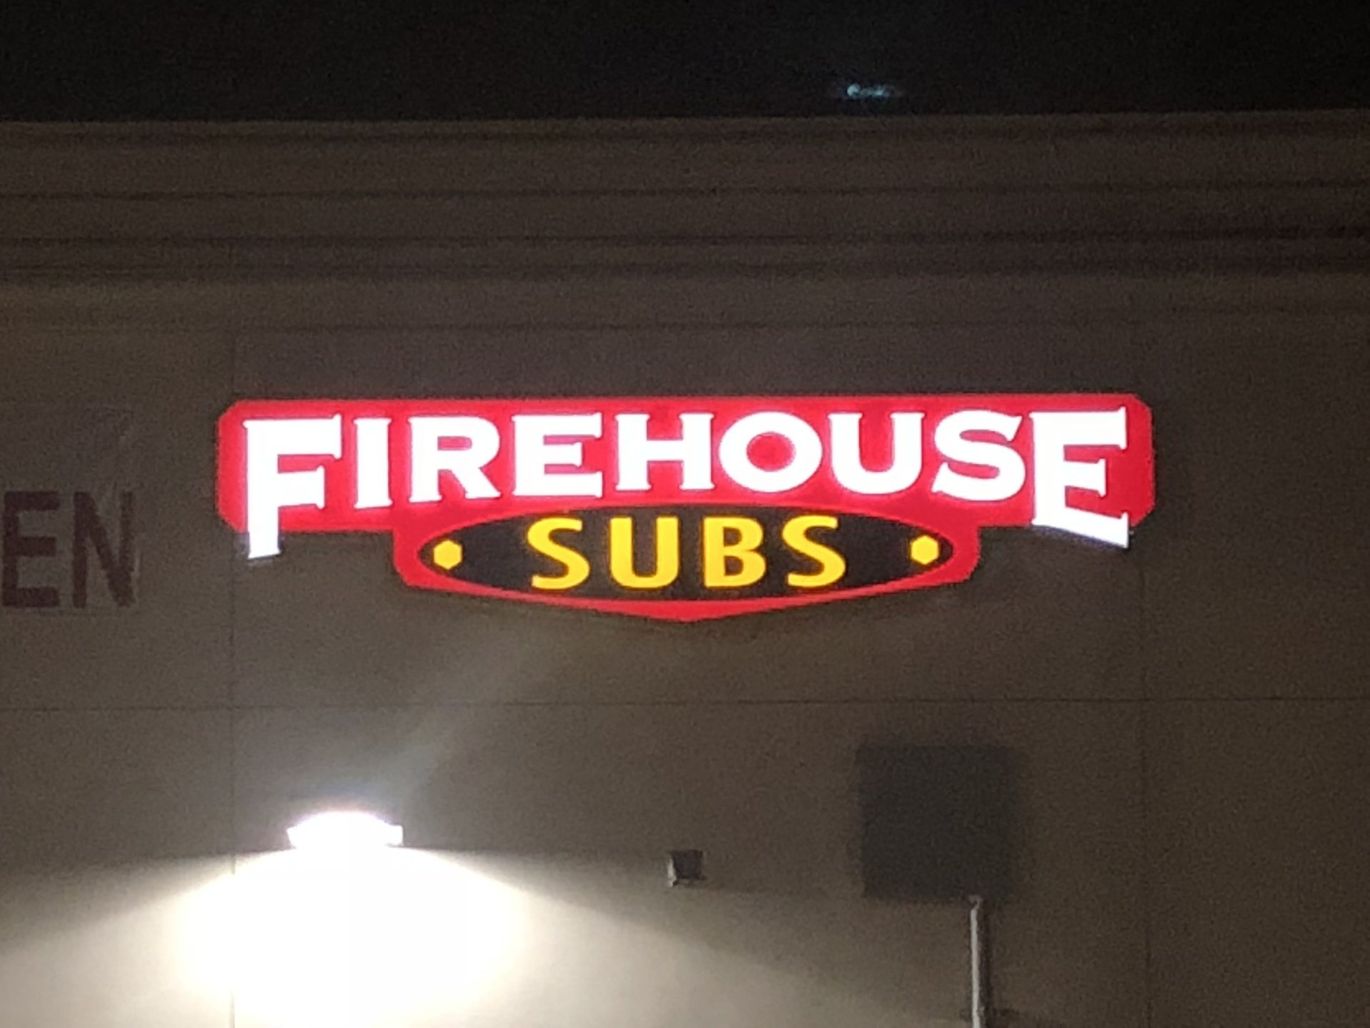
(498, 554)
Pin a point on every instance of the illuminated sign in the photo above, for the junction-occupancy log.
(686, 508)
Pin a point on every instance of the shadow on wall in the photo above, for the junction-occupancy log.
(723, 956)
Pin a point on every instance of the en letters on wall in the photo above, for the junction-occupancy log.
(68, 514)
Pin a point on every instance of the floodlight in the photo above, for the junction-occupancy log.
(344, 831)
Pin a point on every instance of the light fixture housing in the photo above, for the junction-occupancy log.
(344, 831)
(684, 867)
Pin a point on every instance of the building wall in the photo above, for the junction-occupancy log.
(1189, 713)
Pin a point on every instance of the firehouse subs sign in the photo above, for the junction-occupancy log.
(686, 508)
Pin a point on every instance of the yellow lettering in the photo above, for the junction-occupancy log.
(540, 539)
(740, 550)
(667, 553)
(831, 566)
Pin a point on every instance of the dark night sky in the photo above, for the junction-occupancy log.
(102, 60)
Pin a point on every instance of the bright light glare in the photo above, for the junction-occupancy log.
(339, 831)
(402, 937)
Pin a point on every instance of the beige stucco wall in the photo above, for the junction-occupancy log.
(1191, 713)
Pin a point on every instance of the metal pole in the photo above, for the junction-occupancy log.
(979, 968)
